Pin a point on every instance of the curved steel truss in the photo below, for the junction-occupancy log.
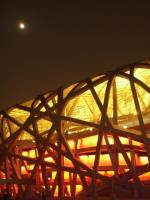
(93, 136)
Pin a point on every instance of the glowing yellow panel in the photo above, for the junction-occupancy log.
(121, 158)
(52, 101)
(88, 159)
(126, 105)
(143, 75)
(87, 142)
(83, 107)
(144, 101)
(66, 175)
(32, 153)
(43, 125)
(110, 140)
(124, 140)
(142, 160)
(71, 144)
(19, 115)
(6, 130)
(25, 136)
(67, 162)
(110, 104)
(100, 90)
(23, 170)
(105, 160)
(27, 103)
(79, 188)
(54, 174)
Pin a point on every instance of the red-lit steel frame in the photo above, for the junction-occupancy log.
(33, 181)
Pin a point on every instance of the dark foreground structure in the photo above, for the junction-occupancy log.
(88, 140)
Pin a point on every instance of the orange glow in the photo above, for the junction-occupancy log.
(54, 174)
(121, 158)
(49, 159)
(71, 144)
(66, 175)
(2, 175)
(68, 189)
(107, 173)
(67, 162)
(142, 160)
(124, 140)
(136, 143)
(88, 159)
(79, 188)
(110, 140)
(25, 153)
(23, 170)
(32, 153)
(145, 177)
(56, 191)
(88, 142)
(105, 160)
(31, 167)
(92, 141)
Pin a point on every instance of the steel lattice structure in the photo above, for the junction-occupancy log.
(93, 136)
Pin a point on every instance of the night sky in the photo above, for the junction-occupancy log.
(66, 41)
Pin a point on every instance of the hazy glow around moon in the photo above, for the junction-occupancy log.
(22, 25)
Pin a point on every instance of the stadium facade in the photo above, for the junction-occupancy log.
(89, 139)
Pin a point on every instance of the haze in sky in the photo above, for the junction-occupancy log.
(46, 44)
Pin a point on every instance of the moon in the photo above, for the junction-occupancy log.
(22, 25)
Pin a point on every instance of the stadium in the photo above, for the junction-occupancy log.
(87, 140)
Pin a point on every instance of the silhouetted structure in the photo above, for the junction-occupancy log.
(88, 139)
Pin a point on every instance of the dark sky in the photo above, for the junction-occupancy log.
(66, 41)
